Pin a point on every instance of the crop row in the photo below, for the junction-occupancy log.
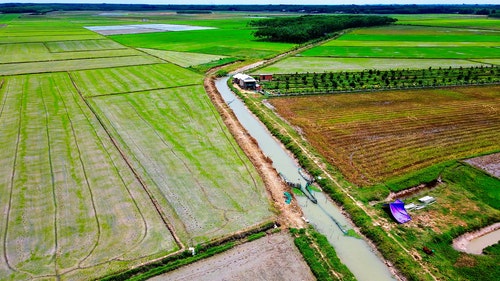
(283, 84)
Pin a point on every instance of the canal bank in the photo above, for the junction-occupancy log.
(327, 218)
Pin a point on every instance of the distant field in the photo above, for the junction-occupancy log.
(322, 64)
(396, 46)
(107, 81)
(183, 59)
(67, 195)
(223, 42)
(75, 64)
(176, 139)
(373, 137)
(448, 20)
(38, 52)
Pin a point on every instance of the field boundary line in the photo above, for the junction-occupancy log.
(13, 173)
(141, 91)
(136, 174)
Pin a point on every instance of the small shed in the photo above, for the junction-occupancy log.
(266, 77)
(245, 81)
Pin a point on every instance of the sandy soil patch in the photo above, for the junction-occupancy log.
(489, 163)
(270, 258)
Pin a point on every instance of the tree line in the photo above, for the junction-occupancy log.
(371, 79)
(309, 27)
(329, 9)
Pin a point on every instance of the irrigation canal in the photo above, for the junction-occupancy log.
(325, 216)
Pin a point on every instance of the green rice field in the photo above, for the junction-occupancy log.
(396, 47)
(183, 59)
(67, 194)
(113, 156)
(176, 139)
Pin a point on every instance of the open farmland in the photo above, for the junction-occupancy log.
(373, 137)
(231, 37)
(197, 172)
(90, 192)
(66, 192)
(396, 47)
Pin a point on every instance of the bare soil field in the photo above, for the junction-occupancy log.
(270, 258)
(489, 163)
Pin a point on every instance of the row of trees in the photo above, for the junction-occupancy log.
(347, 9)
(376, 79)
(305, 28)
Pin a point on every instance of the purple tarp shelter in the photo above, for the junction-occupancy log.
(399, 212)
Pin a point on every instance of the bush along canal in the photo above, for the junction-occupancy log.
(318, 209)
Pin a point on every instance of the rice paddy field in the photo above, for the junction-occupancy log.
(373, 137)
(399, 47)
(112, 157)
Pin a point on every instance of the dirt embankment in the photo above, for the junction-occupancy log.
(289, 215)
(460, 243)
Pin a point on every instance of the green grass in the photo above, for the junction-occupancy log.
(66, 191)
(177, 141)
(221, 42)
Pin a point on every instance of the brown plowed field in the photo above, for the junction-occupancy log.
(375, 136)
(270, 258)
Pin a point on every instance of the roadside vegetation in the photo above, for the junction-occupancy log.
(320, 255)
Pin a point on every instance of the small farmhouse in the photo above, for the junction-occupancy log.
(266, 77)
(245, 81)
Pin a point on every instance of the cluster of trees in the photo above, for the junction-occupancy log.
(376, 79)
(347, 9)
(309, 27)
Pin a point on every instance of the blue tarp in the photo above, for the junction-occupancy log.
(399, 212)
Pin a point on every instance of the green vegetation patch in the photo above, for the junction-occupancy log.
(330, 82)
(220, 42)
(66, 190)
(196, 171)
(183, 59)
(309, 27)
(320, 255)
(118, 80)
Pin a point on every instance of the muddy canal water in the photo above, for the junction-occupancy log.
(325, 216)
